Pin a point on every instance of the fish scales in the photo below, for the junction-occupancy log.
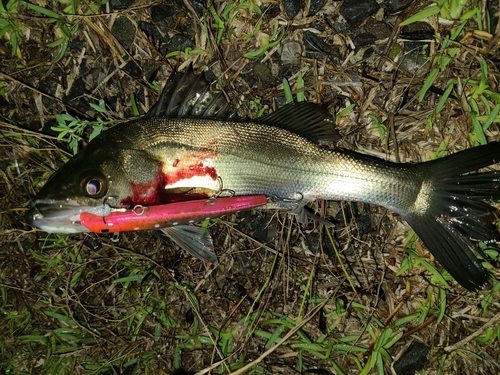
(253, 158)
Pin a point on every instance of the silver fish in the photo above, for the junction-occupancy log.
(159, 159)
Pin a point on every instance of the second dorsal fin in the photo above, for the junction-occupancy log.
(311, 121)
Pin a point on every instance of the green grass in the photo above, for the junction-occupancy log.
(130, 306)
(64, 15)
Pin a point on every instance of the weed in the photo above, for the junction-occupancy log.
(73, 128)
(478, 93)
(227, 19)
(186, 53)
(66, 21)
(257, 109)
(382, 128)
(10, 27)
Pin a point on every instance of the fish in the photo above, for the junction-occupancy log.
(190, 146)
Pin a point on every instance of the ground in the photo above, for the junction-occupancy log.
(285, 297)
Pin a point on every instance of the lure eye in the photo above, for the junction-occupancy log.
(94, 187)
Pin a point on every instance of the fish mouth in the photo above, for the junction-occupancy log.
(54, 216)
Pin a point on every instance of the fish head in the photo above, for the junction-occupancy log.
(105, 175)
(116, 170)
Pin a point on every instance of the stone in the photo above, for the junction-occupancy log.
(291, 7)
(290, 52)
(413, 359)
(355, 12)
(394, 6)
(315, 7)
(124, 30)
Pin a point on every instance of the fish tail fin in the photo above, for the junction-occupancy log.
(453, 214)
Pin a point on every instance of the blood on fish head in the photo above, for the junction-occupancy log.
(114, 174)
(190, 176)
(95, 180)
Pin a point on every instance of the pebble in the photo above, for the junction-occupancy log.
(312, 242)
(377, 28)
(179, 42)
(315, 46)
(415, 63)
(162, 11)
(151, 32)
(355, 12)
(120, 4)
(262, 73)
(291, 7)
(413, 359)
(124, 30)
(315, 7)
(291, 52)
(198, 6)
(394, 6)
(364, 39)
(417, 31)
(257, 226)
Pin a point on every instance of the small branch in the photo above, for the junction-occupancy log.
(463, 342)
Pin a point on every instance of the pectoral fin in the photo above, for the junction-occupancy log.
(304, 215)
(195, 240)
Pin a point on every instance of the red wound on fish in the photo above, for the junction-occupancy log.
(147, 193)
(156, 191)
(192, 164)
(196, 170)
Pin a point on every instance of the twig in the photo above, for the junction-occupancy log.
(463, 342)
(274, 347)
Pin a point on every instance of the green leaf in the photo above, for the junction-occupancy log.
(406, 319)
(288, 91)
(345, 111)
(423, 14)
(275, 336)
(435, 273)
(469, 14)
(46, 12)
(442, 305)
(128, 279)
(5, 29)
(31, 337)
(255, 54)
(492, 117)
(444, 97)
(60, 317)
(300, 87)
(99, 107)
(62, 51)
(428, 83)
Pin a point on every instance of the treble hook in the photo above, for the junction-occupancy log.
(289, 200)
(221, 192)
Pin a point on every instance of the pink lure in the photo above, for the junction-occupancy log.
(168, 215)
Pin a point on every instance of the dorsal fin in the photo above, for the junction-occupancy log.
(311, 121)
(190, 95)
(187, 94)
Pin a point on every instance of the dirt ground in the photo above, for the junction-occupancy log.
(285, 298)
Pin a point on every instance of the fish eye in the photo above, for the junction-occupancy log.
(94, 186)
